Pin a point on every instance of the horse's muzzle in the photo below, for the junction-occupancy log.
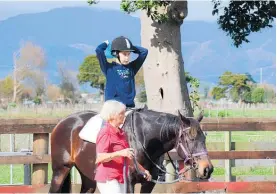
(205, 169)
(208, 172)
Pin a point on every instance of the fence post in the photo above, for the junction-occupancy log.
(228, 169)
(40, 147)
(27, 168)
(169, 168)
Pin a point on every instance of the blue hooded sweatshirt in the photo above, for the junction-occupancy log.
(120, 79)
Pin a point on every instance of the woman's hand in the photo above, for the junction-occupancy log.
(147, 175)
(128, 152)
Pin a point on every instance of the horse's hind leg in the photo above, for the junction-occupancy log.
(88, 185)
(58, 178)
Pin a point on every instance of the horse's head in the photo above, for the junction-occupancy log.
(191, 146)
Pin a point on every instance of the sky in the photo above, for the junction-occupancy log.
(197, 10)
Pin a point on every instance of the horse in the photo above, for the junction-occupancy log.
(150, 133)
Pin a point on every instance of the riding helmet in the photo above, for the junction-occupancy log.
(121, 44)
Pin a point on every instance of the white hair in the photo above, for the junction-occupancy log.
(110, 109)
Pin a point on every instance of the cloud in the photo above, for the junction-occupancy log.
(87, 49)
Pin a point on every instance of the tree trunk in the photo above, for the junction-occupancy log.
(102, 87)
(14, 88)
(14, 77)
(165, 83)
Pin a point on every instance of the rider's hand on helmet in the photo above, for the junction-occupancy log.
(107, 42)
(147, 175)
(128, 152)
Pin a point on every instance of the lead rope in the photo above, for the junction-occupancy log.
(125, 175)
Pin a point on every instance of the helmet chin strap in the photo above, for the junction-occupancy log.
(117, 55)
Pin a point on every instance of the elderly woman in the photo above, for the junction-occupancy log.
(112, 149)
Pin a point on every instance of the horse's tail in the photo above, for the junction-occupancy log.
(66, 187)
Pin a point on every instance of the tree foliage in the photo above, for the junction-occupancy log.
(53, 92)
(242, 87)
(241, 18)
(258, 95)
(238, 86)
(6, 87)
(89, 71)
(28, 61)
(68, 89)
(142, 96)
(194, 85)
(218, 93)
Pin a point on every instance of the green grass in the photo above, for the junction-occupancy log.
(18, 173)
(255, 113)
(240, 171)
(242, 136)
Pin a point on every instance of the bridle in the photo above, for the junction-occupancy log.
(179, 143)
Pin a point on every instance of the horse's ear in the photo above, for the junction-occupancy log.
(183, 118)
(179, 114)
(200, 116)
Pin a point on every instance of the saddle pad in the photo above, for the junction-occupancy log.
(126, 113)
(93, 126)
(91, 129)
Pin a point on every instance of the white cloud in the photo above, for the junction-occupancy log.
(87, 49)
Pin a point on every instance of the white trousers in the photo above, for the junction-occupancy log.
(112, 186)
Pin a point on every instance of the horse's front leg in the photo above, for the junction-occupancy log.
(148, 186)
(131, 182)
(131, 187)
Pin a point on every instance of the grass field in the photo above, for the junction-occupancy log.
(236, 113)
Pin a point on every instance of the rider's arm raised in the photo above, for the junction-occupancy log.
(100, 53)
(142, 54)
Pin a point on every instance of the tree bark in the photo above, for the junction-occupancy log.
(165, 83)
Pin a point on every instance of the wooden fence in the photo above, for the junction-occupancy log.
(41, 128)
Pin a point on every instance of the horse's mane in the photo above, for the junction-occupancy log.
(169, 122)
(172, 121)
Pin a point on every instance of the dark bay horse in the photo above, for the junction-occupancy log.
(150, 133)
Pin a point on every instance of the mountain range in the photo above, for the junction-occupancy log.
(69, 34)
